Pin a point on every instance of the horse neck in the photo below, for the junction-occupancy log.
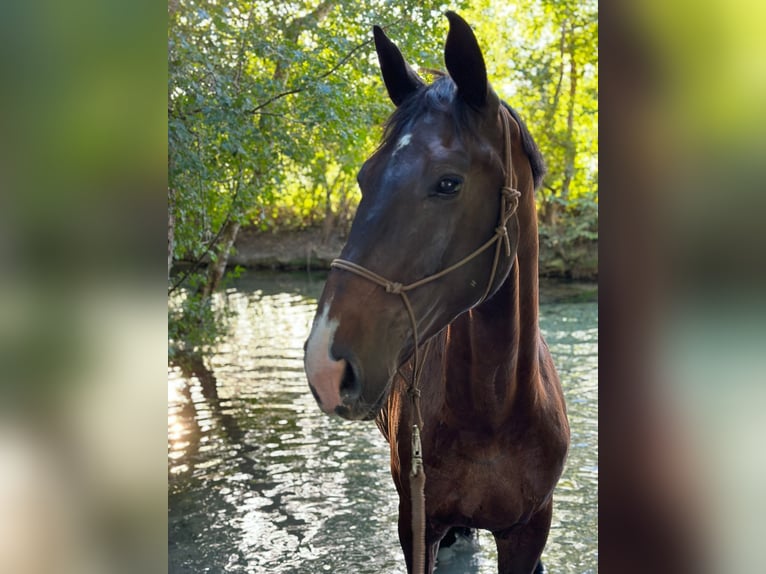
(501, 336)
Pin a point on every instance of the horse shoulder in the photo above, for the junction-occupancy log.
(553, 412)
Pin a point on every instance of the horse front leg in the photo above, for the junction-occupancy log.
(519, 548)
(433, 536)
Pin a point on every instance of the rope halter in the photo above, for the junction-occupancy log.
(509, 203)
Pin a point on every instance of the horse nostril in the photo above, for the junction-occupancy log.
(350, 387)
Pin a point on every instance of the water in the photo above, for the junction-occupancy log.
(261, 481)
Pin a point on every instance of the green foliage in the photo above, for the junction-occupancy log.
(543, 59)
(195, 324)
(272, 103)
(273, 106)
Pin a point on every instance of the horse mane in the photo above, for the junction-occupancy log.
(530, 148)
(440, 96)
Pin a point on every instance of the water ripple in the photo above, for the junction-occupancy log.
(261, 481)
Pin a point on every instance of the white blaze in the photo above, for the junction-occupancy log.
(403, 142)
(324, 373)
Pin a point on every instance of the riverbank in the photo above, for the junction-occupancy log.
(309, 250)
(270, 254)
(285, 250)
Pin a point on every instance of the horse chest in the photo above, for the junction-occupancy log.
(484, 483)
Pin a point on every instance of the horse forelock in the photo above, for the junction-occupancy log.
(440, 96)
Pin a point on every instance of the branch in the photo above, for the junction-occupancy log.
(284, 117)
(210, 245)
(306, 85)
(321, 76)
(280, 95)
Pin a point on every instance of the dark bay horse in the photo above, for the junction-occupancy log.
(431, 312)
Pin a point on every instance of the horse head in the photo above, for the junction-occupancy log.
(435, 193)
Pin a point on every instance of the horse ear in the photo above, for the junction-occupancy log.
(465, 63)
(400, 79)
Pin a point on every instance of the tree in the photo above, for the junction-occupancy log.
(542, 57)
(264, 98)
(556, 83)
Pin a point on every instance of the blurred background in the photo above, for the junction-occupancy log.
(83, 156)
(84, 173)
(681, 378)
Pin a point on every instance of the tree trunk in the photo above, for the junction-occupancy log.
(217, 266)
(571, 144)
(560, 81)
(330, 217)
(549, 208)
(546, 213)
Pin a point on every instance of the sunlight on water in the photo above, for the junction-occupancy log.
(261, 481)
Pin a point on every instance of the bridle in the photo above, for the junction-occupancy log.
(509, 202)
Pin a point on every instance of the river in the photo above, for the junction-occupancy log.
(260, 481)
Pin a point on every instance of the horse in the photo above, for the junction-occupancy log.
(448, 357)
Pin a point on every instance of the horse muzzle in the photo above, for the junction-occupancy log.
(335, 381)
(337, 390)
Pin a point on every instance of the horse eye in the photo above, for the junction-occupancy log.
(448, 185)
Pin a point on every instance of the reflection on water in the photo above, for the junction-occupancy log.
(261, 481)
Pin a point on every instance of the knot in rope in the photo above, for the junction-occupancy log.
(510, 193)
(393, 287)
(511, 196)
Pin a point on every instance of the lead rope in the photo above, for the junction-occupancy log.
(509, 203)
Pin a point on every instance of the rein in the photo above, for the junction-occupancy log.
(509, 202)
